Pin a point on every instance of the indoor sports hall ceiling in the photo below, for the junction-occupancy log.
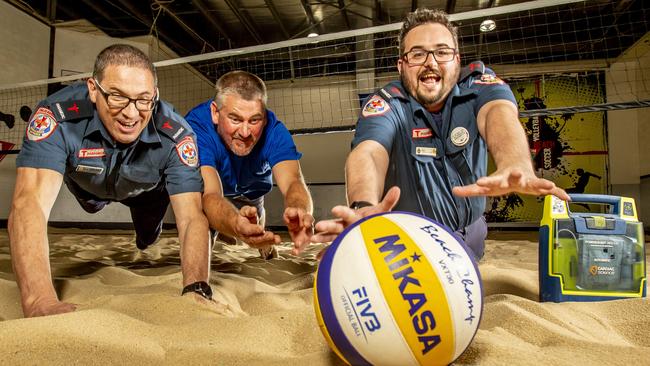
(192, 27)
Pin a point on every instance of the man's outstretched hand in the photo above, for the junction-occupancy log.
(301, 227)
(328, 230)
(249, 231)
(511, 180)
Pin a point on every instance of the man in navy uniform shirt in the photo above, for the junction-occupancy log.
(108, 139)
(242, 147)
(428, 135)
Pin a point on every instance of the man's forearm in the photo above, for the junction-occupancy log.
(222, 215)
(365, 173)
(30, 252)
(506, 138)
(298, 196)
(195, 250)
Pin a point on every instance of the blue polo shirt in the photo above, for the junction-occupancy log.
(430, 153)
(66, 135)
(250, 175)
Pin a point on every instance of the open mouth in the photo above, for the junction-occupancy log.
(127, 125)
(429, 78)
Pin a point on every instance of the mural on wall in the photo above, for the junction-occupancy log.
(568, 149)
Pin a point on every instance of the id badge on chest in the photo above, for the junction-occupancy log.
(426, 151)
(89, 169)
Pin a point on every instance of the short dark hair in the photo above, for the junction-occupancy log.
(122, 54)
(242, 83)
(423, 16)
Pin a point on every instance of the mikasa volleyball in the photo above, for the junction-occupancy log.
(398, 289)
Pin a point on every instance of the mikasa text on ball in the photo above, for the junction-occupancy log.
(398, 289)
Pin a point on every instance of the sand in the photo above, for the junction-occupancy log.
(131, 312)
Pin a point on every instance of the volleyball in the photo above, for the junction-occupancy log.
(398, 289)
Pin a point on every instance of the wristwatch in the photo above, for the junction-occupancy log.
(358, 204)
(201, 287)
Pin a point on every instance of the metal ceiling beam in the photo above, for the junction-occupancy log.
(94, 5)
(276, 16)
(135, 13)
(244, 19)
(345, 10)
(345, 13)
(310, 16)
(198, 4)
(451, 5)
(380, 15)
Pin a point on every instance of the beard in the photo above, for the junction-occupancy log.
(429, 99)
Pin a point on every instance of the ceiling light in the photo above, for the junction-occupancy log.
(488, 25)
(312, 35)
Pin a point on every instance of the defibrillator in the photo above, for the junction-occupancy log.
(591, 256)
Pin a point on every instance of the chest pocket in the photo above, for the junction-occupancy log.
(134, 180)
(139, 175)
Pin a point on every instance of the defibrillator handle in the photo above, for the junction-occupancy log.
(614, 201)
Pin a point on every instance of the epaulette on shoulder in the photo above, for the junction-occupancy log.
(170, 127)
(391, 91)
(476, 67)
(70, 110)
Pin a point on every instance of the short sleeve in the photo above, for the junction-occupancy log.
(376, 123)
(182, 172)
(200, 120)
(43, 143)
(489, 87)
(281, 146)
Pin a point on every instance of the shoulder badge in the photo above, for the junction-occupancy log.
(488, 79)
(42, 125)
(376, 106)
(186, 150)
(73, 109)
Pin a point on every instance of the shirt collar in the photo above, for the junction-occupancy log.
(148, 135)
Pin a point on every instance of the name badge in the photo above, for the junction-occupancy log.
(428, 151)
(89, 169)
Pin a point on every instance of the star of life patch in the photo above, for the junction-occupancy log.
(42, 125)
(376, 106)
(187, 152)
(488, 79)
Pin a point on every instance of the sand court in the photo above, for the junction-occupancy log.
(130, 310)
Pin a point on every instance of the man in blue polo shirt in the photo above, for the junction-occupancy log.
(242, 147)
(426, 138)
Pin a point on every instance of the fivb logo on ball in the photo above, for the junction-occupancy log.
(403, 291)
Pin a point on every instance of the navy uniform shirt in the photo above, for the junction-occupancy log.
(430, 153)
(66, 135)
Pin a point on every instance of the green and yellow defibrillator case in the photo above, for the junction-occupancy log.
(591, 256)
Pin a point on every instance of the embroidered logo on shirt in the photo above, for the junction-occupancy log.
(92, 153)
(421, 133)
(42, 125)
(459, 136)
(187, 152)
(488, 79)
(376, 106)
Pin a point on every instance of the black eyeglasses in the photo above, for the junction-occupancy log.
(119, 101)
(418, 56)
